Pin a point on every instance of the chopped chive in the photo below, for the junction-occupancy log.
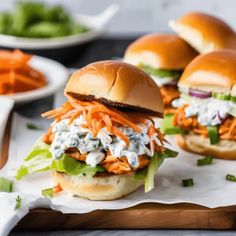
(230, 177)
(6, 185)
(187, 182)
(205, 161)
(213, 134)
(18, 203)
(32, 126)
(47, 192)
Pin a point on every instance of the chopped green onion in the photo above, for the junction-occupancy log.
(187, 182)
(32, 126)
(205, 161)
(168, 153)
(18, 203)
(233, 99)
(213, 134)
(6, 185)
(47, 192)
(230, 177)
(169, 128)
(221, 96)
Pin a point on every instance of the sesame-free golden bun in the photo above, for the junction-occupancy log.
(213, 72)
(204, 32)
(118, 84)
(225, 149)
(97, 188)
(166, 51)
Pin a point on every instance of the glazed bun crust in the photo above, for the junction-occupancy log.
(97, 188)
(160, 51)
(204, 32)
(225, 149)
(215, 71)
(117, 84)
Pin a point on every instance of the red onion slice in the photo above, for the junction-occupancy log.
(199, 94)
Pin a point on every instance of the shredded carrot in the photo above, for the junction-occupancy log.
(57, 189)
(169, 93)
(227, 130)
(117, 132)
(98, 116)
(16, 75)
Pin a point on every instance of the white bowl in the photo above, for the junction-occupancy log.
(55, 73)
(96, 24)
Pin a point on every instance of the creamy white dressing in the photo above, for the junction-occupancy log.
(73, 135)
(209, 111)
(160, 81)
(93, 158)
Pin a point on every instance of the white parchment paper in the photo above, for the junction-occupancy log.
(210, 189)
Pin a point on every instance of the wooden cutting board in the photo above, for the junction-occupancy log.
(143, 216)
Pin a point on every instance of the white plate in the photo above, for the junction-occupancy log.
(96, 24)
(55, 73)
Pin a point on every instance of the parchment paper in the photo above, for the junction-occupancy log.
(210, 189)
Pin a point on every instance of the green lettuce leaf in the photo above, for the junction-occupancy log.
(161, 73)
(148, 174)
(168, 127)
(141, 174)
(40, 159)
(155, 163)
(70, 166)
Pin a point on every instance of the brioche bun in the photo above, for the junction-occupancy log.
(116, 84)
(97, 188)
(160, 51)
(204, 32)
(225, 149)
(215, 71)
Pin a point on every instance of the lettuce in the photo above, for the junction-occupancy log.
(169, 128)
(148, 174)
(161, 73)
(70, 166)
(40, 159)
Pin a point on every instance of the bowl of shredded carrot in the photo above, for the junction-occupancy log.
(16, 75)
(26, 77)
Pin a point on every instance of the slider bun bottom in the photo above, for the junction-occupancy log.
(225, 149)
(97, 188)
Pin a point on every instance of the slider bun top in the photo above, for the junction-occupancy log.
(116, 84)
(204, 32)
(214, 71)
(166, 51)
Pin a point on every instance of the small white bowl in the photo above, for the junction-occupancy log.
(96, 24)
(55, 73)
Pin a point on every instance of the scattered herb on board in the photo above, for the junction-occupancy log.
(205, 161)
(32, 126)
(230, 177)
(187, 182)
(18, 203)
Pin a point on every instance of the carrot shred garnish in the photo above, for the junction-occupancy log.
(120, 134)
(98, 116)
(16, 75)
(227, 130)
(57, 189)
